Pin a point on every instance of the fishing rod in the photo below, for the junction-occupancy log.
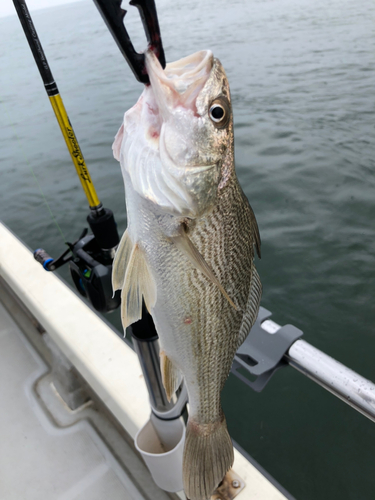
(90, 257)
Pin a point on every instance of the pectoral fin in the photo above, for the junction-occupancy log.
(137, 283)
(170, 374)
(184, 244)
(121, 261)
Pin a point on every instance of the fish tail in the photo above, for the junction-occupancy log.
(208, 455)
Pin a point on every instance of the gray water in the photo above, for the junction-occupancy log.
(302, 75)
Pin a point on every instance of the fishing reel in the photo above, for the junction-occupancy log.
(90, 261)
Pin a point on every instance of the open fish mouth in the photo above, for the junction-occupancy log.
(181, 81)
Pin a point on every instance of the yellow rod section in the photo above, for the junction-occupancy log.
(57, 103)
(74, 150)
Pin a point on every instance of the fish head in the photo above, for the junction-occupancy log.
(177, 134)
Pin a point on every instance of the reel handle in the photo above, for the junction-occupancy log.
(43, 258)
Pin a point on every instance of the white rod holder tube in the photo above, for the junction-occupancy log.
(161, 444)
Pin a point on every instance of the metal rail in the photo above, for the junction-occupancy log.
(338, 379)
(355, 390)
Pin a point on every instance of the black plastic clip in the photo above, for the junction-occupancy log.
(262, 353)
(113, 16)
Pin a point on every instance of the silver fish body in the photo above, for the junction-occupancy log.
(189, 246)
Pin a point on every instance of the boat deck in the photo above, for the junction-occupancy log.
(50, 338)
(50, 451)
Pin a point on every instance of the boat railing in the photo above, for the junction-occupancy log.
(270, 346)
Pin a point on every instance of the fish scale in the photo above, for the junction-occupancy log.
(228, 321)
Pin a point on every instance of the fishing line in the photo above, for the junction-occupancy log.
(33, 174)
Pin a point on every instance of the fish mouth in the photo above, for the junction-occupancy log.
(181, 81)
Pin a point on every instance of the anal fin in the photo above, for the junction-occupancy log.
(170, 374)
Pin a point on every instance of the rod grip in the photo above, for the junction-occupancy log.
(104, 228)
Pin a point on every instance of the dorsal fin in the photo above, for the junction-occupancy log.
(256, 234)
(254, 225)
(185, 245)
(252, 307)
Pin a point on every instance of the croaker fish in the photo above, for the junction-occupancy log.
(189, 246)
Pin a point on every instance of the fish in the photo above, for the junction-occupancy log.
(188, 250)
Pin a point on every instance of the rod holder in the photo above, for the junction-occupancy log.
(161, 440)
(146, 345)
(163, 457)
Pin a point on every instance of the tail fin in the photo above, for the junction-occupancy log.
(208, 455)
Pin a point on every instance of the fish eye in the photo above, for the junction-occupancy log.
(219, 112)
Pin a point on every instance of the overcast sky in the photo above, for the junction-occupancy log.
(7, 7)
